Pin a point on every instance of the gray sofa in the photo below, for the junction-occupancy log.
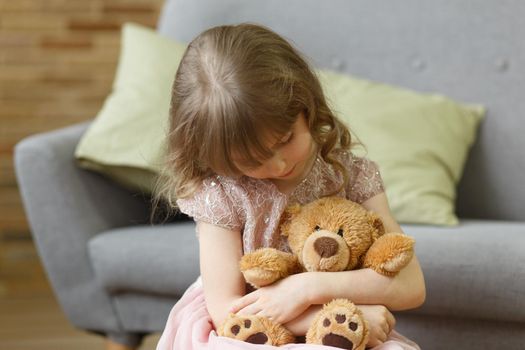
(116, 274)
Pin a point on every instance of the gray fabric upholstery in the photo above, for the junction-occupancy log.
(66, 206)
(475, 270)
(440, 333)
(144, 311)
(114, 274)
(158, 260)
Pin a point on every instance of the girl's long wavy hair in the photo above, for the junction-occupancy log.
(234, 85)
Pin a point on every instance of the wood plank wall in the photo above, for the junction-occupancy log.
(57, 64)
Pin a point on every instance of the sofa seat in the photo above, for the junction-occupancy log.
(146, 259)
(143, 259)
(451, 259)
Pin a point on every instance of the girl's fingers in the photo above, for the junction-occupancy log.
(390, 319)
(375, 342)
(386, 330)
(377, 337)
(241, 303)
(382, 336)
(249, 310)
(262, 314)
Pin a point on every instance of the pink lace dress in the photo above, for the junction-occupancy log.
(254, 206)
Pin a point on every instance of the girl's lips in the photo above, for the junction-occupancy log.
(289, 173)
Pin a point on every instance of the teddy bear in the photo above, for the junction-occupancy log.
(328, 234)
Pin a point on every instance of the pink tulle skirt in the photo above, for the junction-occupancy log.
(189, 327)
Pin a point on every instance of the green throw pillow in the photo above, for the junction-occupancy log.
(419, 141)
(125, 141)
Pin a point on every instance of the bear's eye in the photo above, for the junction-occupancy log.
(317, 228)
(340, 232)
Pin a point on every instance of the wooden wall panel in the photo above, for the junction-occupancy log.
(57, 64)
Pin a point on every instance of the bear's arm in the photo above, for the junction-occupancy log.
(410, 280)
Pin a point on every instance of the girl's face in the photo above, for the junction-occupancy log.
(293, 155)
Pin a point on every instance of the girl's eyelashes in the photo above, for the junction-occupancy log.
(287, 138)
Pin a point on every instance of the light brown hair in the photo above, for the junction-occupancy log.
(235, 81)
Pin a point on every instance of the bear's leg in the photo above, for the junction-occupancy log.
(267, 265)
(255, 330)
(390, 253)
(339, 324)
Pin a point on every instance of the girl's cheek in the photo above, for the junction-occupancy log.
(305, 147)
(257, 174)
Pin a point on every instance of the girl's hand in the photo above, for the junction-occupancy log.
(280, 302)
(380, 323)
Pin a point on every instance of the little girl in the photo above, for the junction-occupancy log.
(251, 133)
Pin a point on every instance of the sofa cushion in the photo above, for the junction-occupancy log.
(474, 270)
(460, 282)
(150, 259)
(420, 141)
(125, 141)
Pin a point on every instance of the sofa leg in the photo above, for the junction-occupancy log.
(123, 341)
(111, 345)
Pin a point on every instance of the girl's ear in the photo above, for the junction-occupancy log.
(286, 219)
(377, 225)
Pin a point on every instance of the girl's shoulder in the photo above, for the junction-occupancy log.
(214, 202)
(364, 178)
(227, 201)
(355, 164)
(342, 155)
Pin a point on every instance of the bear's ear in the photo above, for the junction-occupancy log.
(286, 219)
(377, 225)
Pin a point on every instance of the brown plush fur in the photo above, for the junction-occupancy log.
(389, 254)
(265, 266)
(256, 330)
(329, 234)
(342, 319)
(360, 229)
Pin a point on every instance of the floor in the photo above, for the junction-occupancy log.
(30, 317)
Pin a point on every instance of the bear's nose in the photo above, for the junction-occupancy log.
(325, 246)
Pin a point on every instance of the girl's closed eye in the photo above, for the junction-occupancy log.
(286, 139)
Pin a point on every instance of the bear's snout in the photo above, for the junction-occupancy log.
(324, 251)
(326, 246)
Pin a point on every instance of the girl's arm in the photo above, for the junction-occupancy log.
(220, 250)
(404, 291)
(365, 286)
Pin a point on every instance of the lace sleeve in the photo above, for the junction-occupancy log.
(365, 180)
(212, 204)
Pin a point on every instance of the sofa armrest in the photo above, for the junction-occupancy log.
(66, 206)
